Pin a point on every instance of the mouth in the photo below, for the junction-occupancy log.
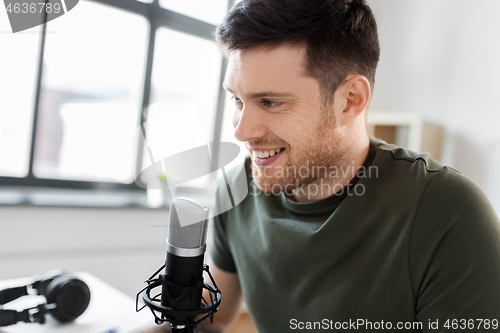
(266, 157)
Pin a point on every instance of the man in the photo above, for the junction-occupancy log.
(339, 231)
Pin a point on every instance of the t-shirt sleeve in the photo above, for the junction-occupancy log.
(455, 256)
(220, 250)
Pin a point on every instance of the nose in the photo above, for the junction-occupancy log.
(248, 124)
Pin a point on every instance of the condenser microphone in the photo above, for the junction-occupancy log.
(186, 245)
(181, 301)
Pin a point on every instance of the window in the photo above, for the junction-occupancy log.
(78, 91)
(17, 90)
(90, 100)
(184, 89)
(211, 11)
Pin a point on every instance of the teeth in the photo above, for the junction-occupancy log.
(267, 153)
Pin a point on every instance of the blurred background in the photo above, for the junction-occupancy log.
(73, 92)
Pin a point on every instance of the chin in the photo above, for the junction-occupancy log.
(269, 187)
(274, 185)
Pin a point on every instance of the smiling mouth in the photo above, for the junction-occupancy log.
(267, 153)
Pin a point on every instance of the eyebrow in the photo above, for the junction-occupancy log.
(263, 93)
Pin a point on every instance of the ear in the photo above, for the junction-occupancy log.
(355, 94)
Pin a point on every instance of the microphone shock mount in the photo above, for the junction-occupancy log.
(181, 320)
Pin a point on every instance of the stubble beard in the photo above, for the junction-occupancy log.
(308, 164)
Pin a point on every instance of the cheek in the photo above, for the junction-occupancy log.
(282, 128)
(296, 131)
(236, 117)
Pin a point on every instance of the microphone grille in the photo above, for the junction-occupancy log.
(188, 224)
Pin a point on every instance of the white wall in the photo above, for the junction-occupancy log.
(120, 246)
(441, 59)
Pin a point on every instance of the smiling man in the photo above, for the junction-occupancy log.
(287, 123)
(339, 230)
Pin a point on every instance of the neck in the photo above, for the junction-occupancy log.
(344, 172)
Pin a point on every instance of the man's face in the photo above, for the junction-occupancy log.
(280, 112)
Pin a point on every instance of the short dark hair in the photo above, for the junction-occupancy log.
(340, 35)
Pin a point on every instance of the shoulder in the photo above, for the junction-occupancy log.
(454, 239)
(394, 156)
(454, 247)
(442, 192)
(453, 205)
(426, 178)
(451, 190)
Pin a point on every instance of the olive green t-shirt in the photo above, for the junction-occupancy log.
(411, 245)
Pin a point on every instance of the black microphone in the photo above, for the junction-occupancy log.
(182, 285)
(181, 301)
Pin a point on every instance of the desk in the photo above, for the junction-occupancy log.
(109, 310)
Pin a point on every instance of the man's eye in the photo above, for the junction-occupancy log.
(270, 104)
(237, 100)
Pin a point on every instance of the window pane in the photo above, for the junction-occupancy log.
(18, 66)
(184, 89)
(92, 85)
(211, 11)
